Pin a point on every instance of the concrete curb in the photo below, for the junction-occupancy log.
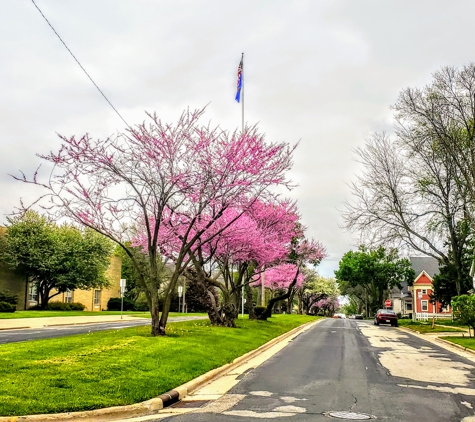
(58, 325)
(66, 323)
(153, 405)
(86, 323)
(437, 339)
(11, 329)
(458, 346)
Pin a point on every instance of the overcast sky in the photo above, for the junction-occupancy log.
(322, 72)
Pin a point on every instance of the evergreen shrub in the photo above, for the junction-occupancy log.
(7, 307)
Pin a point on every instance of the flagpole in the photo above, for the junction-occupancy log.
(242, 90)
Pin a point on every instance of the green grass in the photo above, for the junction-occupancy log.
(467, 342)
(121, 367)
(426, 327)
(451, 323)
(48, 314)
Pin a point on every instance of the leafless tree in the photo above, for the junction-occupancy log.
(408, 196)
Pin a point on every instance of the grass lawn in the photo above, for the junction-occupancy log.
(451, 323)
(48, 314)
(121, 367)
(467, 342)
(426, 327)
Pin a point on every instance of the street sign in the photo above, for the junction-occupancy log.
(180, 291)
(387, 303)
(122, 286)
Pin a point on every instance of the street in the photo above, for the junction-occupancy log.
(29, 334)
(345, 370)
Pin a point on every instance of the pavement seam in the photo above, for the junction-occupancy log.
(151, 406)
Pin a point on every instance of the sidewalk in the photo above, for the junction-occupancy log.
(18, 323)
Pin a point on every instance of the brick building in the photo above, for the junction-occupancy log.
(93, 299)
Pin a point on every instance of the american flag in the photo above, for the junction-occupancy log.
(239, 82)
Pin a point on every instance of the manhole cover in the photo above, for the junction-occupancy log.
(190, 404)
(350, 415)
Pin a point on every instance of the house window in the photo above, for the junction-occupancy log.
(424, 291)
(68, 296)
(97, 297)
(424, 305)
(33, 292)
(408, 306)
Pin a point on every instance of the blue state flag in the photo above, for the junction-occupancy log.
(239, 82)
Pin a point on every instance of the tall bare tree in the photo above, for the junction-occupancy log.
(409, 196)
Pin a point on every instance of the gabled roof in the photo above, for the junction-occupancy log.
(424, 263)
(419, 276)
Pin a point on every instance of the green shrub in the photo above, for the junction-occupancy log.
(58, 306)
(464, 310)
(76, 306)
(141, 304)
(115, 303)
(259, 310)
(64, 306)
(7, 307)
(7, 297)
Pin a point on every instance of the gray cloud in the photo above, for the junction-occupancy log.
(321, 72)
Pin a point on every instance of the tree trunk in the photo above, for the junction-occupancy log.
(168, 298)
(224, 316)
(290, 301)
(250, 305)
(157, 328)
(268, 312)
(43, 293)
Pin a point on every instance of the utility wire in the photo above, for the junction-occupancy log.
(80, 65)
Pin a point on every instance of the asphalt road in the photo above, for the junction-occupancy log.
(29, 334)
(350, 366)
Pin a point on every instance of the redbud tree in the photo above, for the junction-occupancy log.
(288, 276)
(184, 175)
(260, 237)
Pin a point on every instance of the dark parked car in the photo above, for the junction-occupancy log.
(385, 316)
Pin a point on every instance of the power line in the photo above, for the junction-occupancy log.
(80, 65)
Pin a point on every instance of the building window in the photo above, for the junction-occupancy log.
(408, 306)
(33, 292)
(424, 291)
(68, 296)
(97, 297)
(424, 305)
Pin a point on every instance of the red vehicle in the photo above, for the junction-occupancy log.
(385, 316)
